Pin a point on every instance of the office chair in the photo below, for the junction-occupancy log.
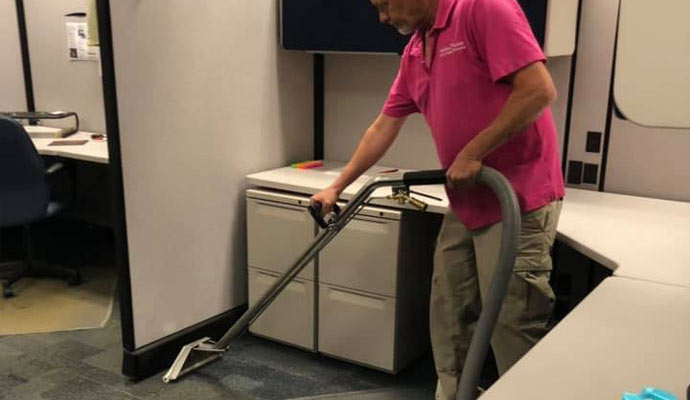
(25, 198)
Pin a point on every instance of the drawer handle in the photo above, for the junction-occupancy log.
(294, 286)
(369, 227)
(357, 299)
(280, 205)
(279, 212)
(372, 220)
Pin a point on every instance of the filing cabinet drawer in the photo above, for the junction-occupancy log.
(364, 256)
(278, 231)
(357, 326)
(290, 318)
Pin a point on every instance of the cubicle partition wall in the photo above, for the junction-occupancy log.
(204, 97)
(605, 151)
(12, 94)
(648, 150)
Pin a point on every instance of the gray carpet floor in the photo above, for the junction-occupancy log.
(86, 365)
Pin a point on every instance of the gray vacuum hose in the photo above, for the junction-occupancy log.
(491, 307)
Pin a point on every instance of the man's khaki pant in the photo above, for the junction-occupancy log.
(464, 264)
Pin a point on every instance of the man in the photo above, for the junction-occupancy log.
(476, 73)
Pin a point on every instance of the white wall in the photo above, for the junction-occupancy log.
(648, 162)
(651, 161)
(12, 94)
(205, 97)
(653, 63)
(357, 86)
(60, 84)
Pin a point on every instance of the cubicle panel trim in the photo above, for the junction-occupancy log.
(571, 91)
(115, 165)
(611, 107)
(319, 104)
(154, 357)
(26, 61)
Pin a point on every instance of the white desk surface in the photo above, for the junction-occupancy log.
(625, 335)
(636, 237)
(94, 150)
(310, 181)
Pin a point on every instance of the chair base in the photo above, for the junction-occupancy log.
(11, 272)
(71, 275)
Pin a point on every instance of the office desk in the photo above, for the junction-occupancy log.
(625, 335)
(93, 151)
(91, 201)
(636, 237)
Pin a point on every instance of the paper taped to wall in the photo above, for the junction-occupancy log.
(78, 43)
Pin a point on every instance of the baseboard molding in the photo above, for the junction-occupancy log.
(157, 356)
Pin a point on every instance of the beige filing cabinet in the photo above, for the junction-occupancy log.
(279, 228)
(365, 300)
(374, 281)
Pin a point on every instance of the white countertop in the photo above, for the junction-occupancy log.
(637, 237)
(93, 150)
(627, 334)
(310, 181)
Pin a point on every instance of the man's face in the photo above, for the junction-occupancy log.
(403, 15)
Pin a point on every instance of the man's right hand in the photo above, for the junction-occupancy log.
(327, 197)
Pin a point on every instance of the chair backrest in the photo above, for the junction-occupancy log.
(24, 191)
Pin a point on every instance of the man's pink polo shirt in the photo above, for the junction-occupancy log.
(476, 43)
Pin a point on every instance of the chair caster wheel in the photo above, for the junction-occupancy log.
(7, 292)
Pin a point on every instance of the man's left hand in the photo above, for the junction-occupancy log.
(463, 171)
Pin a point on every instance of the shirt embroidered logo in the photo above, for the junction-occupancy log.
(452, 48)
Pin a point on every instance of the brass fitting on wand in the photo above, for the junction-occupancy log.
(401, 195)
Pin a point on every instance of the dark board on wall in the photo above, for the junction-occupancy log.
(336, 25)
(535, 10)
(353, 26)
